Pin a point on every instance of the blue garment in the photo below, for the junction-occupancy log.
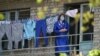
(41, 28)
(29, 29)
(63, 40)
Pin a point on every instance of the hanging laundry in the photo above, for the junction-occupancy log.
(2, 32)
(5, 22)
(29, 29)
(41, 28)
(6, 29)
(50, 23)
(72, 13)
(17, 33)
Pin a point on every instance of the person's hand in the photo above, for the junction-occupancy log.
(63, 30)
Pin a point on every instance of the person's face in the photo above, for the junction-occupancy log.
(62, 18)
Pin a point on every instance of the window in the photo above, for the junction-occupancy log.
(17, 14)
(24, 14)
(12, 15)
(88, 36)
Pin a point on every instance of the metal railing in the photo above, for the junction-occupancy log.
(74, 44)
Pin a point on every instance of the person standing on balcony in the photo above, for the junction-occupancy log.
(61, 27)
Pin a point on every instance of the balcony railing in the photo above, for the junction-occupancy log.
(75, 46)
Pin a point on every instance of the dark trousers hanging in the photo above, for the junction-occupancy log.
(41, 26)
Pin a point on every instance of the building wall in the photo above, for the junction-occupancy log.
(14, 4)
(96, 27)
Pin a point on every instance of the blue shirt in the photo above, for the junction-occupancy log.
(29, 29)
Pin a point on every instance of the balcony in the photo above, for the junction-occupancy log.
(76, 46)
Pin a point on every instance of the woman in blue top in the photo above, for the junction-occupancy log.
(61, 27)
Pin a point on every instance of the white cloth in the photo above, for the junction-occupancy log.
(72, 13)
(50, 23)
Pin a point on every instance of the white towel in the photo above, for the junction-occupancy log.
(72, 13)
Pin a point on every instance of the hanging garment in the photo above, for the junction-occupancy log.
(63, 40)
(5, 22)
(17, 33)
(41, 28)
(72, 13)
(6, 29)
(50, 23)
(29, 29)
(2, 32)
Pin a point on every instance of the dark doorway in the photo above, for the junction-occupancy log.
(74, 27)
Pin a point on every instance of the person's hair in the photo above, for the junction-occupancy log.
(59, 17)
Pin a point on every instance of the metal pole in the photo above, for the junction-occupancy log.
(81, 11)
